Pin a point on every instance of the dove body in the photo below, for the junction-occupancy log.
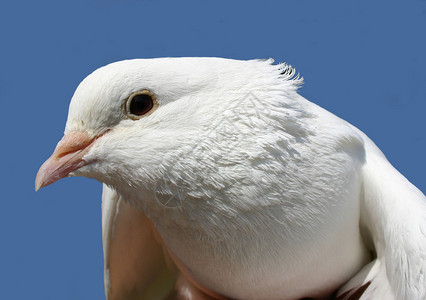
(253, 191)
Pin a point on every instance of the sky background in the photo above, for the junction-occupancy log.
(365, 61)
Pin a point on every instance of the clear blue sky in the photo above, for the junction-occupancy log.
(363, 60)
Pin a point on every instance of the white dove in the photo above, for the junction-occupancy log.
(221, 182)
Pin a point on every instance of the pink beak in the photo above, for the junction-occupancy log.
(67, 157)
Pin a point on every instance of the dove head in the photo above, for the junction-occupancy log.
(151, 125)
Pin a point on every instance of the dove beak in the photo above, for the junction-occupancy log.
(67, 157)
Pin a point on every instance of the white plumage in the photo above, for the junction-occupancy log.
(245, 189)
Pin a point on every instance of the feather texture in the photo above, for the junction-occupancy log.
(256, 192)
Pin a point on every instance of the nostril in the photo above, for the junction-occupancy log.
(72, 142)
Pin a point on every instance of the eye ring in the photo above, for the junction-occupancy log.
(140, 104)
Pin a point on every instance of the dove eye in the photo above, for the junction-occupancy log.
(140, 104)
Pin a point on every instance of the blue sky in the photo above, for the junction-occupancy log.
(362, 60)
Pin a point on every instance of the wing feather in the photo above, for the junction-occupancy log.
(134, 263)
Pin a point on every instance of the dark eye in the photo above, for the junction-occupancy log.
(140, 103)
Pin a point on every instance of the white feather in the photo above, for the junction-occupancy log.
(257, 191)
